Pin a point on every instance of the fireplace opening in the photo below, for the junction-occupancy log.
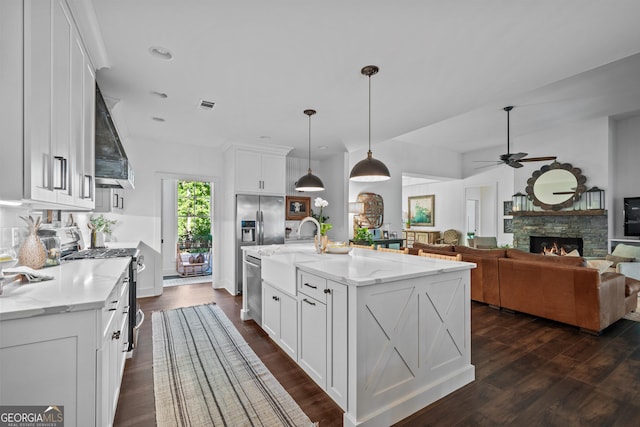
(555, 245)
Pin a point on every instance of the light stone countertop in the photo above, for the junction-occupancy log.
(77, 285)
(363, 267)
(359, 267)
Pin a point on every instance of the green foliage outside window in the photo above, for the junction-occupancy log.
(194, 212)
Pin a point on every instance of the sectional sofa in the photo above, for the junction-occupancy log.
(557, 288)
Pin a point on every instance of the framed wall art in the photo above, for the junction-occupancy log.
(508, 225)
(298, 207)
(422, 210)
(507, 208)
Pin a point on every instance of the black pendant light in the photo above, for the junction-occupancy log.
(369, 169)
(309, 182)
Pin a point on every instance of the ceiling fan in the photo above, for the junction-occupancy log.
(515, 159)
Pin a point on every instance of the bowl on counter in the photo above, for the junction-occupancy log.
(338, 248)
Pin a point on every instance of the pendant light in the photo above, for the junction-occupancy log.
(369, 169)
(309, 182)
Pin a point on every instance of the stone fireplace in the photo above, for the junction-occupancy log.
(590, 226)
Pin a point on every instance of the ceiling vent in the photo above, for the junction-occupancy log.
(207, 105)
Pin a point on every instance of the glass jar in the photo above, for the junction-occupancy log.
(52, 248)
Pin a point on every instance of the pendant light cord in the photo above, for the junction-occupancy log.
(508, 134)
(309, 143)
(369, 115)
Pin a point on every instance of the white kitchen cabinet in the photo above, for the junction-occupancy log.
(279, 318)
(258, 173)
(83, 131)
(44, 86)
(112, 353)
(337, 344)
(109, 200)
(313, 339)
(323, 333)
(40, 354)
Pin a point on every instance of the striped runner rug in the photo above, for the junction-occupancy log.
(205, 374)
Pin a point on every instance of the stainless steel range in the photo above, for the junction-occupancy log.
(136, 316)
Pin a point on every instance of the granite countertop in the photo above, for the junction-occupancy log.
(77, 285)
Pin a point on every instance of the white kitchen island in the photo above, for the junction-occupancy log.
(383, 334)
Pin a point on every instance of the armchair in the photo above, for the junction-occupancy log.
(449, 237)
(483, 242)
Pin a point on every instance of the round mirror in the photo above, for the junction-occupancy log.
(556, 186)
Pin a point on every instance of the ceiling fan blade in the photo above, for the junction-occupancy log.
(514, 157)
(514, 164)
(487, 161)
(538, 159)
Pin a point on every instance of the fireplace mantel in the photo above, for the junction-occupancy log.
(595, 212)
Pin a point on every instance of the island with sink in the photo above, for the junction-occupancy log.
(384, 334)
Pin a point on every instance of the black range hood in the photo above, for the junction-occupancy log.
(113, 169)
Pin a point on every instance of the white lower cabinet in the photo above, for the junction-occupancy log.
(323, 333)
(73, 359)
(112, 352)
(313, 339)
(279, 318)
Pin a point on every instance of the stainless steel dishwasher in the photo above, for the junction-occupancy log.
(254, 287)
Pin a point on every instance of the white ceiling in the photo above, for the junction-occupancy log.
(446, 69)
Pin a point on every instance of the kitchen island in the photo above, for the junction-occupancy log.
(383, 334)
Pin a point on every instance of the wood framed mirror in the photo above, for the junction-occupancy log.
(373, 213)
(556, 186)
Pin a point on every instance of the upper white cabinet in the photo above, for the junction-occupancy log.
(258, 171)
(49, 84)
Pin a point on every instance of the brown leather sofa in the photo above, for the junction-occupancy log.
(556, 288)
(547, 287)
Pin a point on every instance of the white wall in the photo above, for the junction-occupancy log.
(626, 170)
(584, 144)
(401, 157)
(335, 177)
(152, 161)
(449, 209)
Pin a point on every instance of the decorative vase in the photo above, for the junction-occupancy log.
(32, 252)
(320, 245)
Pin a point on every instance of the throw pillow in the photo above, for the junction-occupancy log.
(599, 264)
(573, 253)
(617, 259)
(627, 251)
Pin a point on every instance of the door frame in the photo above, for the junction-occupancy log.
(215, 224)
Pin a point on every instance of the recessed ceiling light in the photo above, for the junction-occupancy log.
(159, 94)
(322, 147)
(206, 105)
(158, 119)
(161, 53)
(265, 137)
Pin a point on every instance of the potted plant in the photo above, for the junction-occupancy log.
(363, 237)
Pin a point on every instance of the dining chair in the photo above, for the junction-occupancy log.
(353, 245)
(397, 251)
(457, 257)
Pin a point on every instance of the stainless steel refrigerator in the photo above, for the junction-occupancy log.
(259, 221)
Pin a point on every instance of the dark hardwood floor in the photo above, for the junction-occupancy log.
(529, 371)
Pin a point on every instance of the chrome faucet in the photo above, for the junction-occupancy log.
(318, 238)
